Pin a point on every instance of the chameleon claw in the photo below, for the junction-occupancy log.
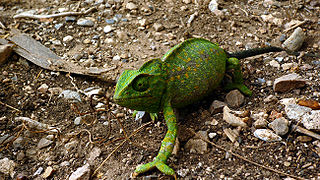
(161, 166)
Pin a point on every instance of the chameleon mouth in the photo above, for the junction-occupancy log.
(130, 98)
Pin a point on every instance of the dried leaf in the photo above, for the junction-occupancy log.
(310, 103)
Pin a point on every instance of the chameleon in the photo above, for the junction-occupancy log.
(186, 73)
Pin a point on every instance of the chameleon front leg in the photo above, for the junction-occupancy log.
(234, 64)
(166, 146)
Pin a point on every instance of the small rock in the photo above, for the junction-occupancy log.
(282, 38)
(213, 7)
(234, 98)
(43, 88)
(56, 42)
(110, 21)
(55, 90)
(142, 22)
(94, 154)
(107, 29)
(212, 135)
(5, 52)
(176, 147)
(67, 38)
(288, 82)
(305, 67)
(286, 163)
(232, 135)
(123, 36)
(116, 58)
(81, 173)
(217, 107)
(312, 120)
(87, 41)
(77, 120)
(72, 95)
(158, 27)
(259, 120)
(304, 138)
(266, 135)
(287, 101)
(7, 167)
(44, 143)
(295, 41)
(274, 64)
(85, 22)
(131, 6)
(186, 1)
(280, 126)
(232, 119)
(197, 146)
(270, 98)
(20, 156)
(272, 19)
(38, 171)
(287, 66)
(70, 19)
(296, 112)
(48, 172)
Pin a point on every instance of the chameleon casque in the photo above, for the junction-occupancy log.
(185, 74)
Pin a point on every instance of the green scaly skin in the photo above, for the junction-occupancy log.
(185, 74)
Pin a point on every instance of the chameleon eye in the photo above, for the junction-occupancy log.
(141, 83)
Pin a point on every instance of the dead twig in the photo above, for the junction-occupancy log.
(32, 16)
(2, 26)
(247, 160)
(11, 107)
(295, 26)
(134, 133)
(305, 131)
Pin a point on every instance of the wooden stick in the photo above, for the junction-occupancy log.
(305, 131)
(32, 16)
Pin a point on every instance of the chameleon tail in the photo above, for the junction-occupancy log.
(254, 52)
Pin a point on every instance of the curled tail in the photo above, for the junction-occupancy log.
(254, 52)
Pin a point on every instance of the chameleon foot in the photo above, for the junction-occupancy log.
(241, 87)
(155, 164)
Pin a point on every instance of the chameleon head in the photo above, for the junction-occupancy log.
(141, 89)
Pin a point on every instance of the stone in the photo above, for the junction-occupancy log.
(296, 112)
(158, 27)
(196, 146)
(274, 64)
(44, 143)
(304, 138)
(123, 36)
(96, 151)
(271, 19)
(287, 66)
(259, 120)
(270, 98)
(5, 52)
(232, 135)
(67, 38)
(217, 107)
(71, 95)
(131, 6)
(43, 88)
(295, 41)
(235, 98)
(232, 119)
(266, 135)
(38, 171)
(213, 7)
(81, 173)
(312, 120)
(107, 29)
(186, 1)
(77, 120)
(85, 22)
(280, 126)
(7, 167)
(212, 135)
(288, 82)
(48, 172)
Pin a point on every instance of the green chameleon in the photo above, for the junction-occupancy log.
(185, 74)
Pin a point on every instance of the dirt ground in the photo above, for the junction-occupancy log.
(142, 30)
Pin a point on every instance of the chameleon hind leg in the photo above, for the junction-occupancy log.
(234, 65)
(166, 147)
